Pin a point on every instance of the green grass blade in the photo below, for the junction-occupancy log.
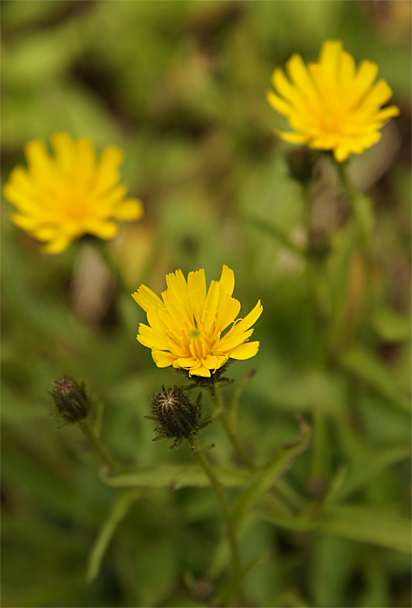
(266, 477)
(118, 511)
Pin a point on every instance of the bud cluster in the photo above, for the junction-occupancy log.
(176, 414)
(71, 399)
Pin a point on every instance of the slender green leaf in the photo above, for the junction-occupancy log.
(366, 525)
(274, 231)
(118, 511)
(361, 524)
(236, 582)
(234, 405)
(296, 524)
(175, 476)
(391, 326)
(266, 477)
(368, 368)
(359, 477)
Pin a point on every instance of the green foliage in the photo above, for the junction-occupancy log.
(180, 86)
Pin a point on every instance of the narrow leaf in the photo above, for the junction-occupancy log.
(266, 477)
(234, 406)
(359, 477)
(368, 368)
(174, 476)
(118, 511)
(366, 525)
(361, 524)
(234, 585)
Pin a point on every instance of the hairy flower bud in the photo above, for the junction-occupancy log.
(176, 414)
(71, 400)
(301, 164)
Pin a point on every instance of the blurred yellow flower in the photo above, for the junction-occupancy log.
(331, 105)
(185, 328)
(62, 197)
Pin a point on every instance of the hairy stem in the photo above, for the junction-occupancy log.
(217, 398)
(223, 503)
(104, 457)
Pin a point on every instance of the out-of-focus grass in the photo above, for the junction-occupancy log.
(181, 87)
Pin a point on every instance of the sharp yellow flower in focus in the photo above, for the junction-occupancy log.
(332, 105)
(62, 197)
(186, 327)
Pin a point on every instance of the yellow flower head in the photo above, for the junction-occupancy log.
(332, 105)
(185, 327)
(60, 198)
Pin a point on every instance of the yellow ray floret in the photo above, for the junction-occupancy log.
(62, 197)
(186, 326)
(332, 105)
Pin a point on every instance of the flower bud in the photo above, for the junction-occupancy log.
(177, 416)
(301, 164)
(71, 400)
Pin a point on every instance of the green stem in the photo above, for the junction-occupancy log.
(275, 232)
(362, 235)
(102, 248)
(98, 447)
(217, 398)
(353, 201)
(241, 454)
(224, 505)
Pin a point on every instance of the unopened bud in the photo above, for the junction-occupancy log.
(176, 414)
(71, 400)
(301, 164)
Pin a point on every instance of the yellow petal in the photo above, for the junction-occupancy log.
(245, 351)
(162, 359)
(210, 309)
(196, 283)
(364, 79)
(283, 86)
(293, 138)
(144, 296)
(378, 95)
(227, 313)
(107, 175)
(24, 221)
(201, 370)
(302, 79)
(329, 56)
(341, 153)
(348, 69)
(85, 163)
(250, 319)
(178, 293)
(57, 246)
(104, 230)
(227, 280)
(387, 113)
(278, 104)
(186, 362)
(64, 153)
(130, 209)
(232, 339)
(151, 338)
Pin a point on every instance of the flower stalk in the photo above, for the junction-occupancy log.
(221, 408)
(223, 503)
(101, 452)
(352, 199)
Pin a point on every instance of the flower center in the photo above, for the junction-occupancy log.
(195, 333)
(75, 208)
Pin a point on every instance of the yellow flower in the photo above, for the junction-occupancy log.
(186, 327)
(331, 105)
(60, 198)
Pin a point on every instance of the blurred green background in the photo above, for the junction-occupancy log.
(180, 86)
